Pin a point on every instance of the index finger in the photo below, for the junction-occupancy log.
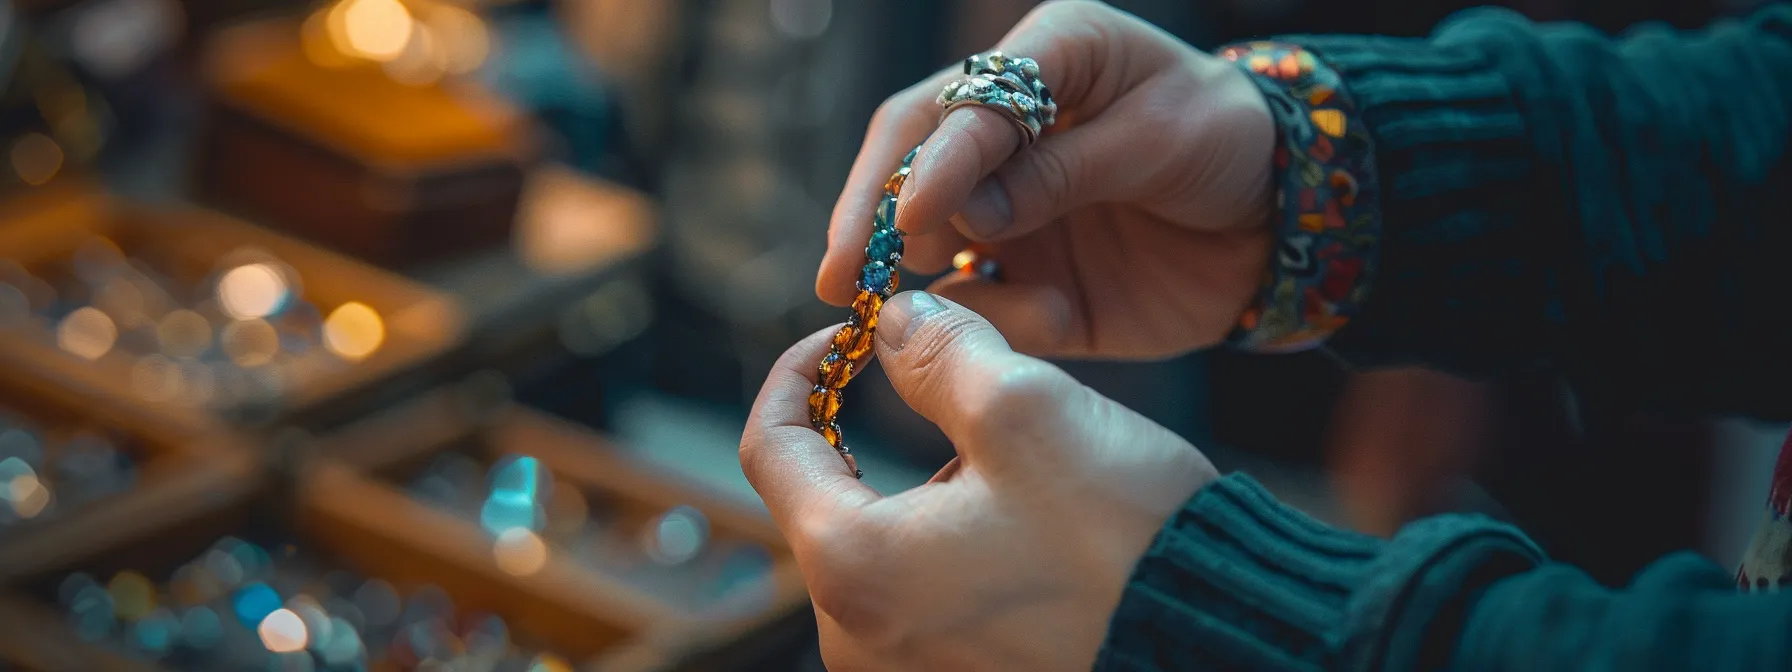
(789, 464)
(1071, 45)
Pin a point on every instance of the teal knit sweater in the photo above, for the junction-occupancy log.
(1551, 196)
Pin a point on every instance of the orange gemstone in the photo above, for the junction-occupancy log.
(824, 404)
(893, 186)
(844, 339)
(831, 432)
(867, 304)
(862, 347)
(836, 371)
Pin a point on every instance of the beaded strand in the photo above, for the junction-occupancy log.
(854, 343)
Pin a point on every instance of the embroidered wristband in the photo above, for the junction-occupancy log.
(1328, 215)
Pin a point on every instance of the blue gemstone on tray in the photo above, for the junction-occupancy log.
(886, 246)
(254, 602)
(875, 277)
(886, 213)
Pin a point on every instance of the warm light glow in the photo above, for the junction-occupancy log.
(283, 632)
(374, 29)
(548, 662)
(36, 158)
(250, 343)
(251, 291)
(27, 495)
(87, 333)
(460, 35)
(123, 301)
(184, 333)
(157, 378)
(353, 331)
(319, 45)
(133, 596)
(520, 552)
(422, 62)
(964, 259)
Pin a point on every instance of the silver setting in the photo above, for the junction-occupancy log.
(1009, 85)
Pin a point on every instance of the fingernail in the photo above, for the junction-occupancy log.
(988, 212)
(903, 314)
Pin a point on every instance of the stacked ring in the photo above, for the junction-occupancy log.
(1008, 85)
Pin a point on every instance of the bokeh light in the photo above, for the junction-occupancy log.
(251, 291)
(133, 596)
(353, 331)
(283, 632)
(28, 495)
(184, 334)
(677, 536)
(250, 343)
(36, 158)
(520, 552)
(373, 29)
(87, 333)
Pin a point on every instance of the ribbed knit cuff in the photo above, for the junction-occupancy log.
(1454, 289)
(1236, 580)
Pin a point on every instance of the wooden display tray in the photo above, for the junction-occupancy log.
(350, 519)
(406, 436)
(393, 173)
(420, 324)
(182, 467)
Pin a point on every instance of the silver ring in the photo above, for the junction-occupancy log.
(1010, 86)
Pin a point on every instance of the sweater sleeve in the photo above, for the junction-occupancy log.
(1238, 581)
(1681, 613)
(1609, 206)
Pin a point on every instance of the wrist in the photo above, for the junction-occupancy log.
(1325, 212)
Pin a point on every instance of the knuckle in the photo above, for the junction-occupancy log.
(1022, 396)
(1051, 173)
(841, 581)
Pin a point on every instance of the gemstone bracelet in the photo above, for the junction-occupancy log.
(854, 343)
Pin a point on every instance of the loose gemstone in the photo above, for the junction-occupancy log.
(876, 277)
(886, 213)
(885, 246)
(836, 371)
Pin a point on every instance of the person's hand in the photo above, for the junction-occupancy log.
(1138, 229)
(1016, 559)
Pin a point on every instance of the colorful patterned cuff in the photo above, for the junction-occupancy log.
(1328, 213)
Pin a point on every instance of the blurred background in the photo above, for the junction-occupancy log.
(406, 334)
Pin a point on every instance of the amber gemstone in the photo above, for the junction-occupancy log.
(862, 347)
(831, 432)
(846, 337)
(893, 187)
(824, 404)
(836, 371)
(866, 306)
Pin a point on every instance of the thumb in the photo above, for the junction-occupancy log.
(956, 370)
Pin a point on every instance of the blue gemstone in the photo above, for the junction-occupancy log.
(886, 213)
(906, 160)
(876, 277)
(254, 602)
(886, 246)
